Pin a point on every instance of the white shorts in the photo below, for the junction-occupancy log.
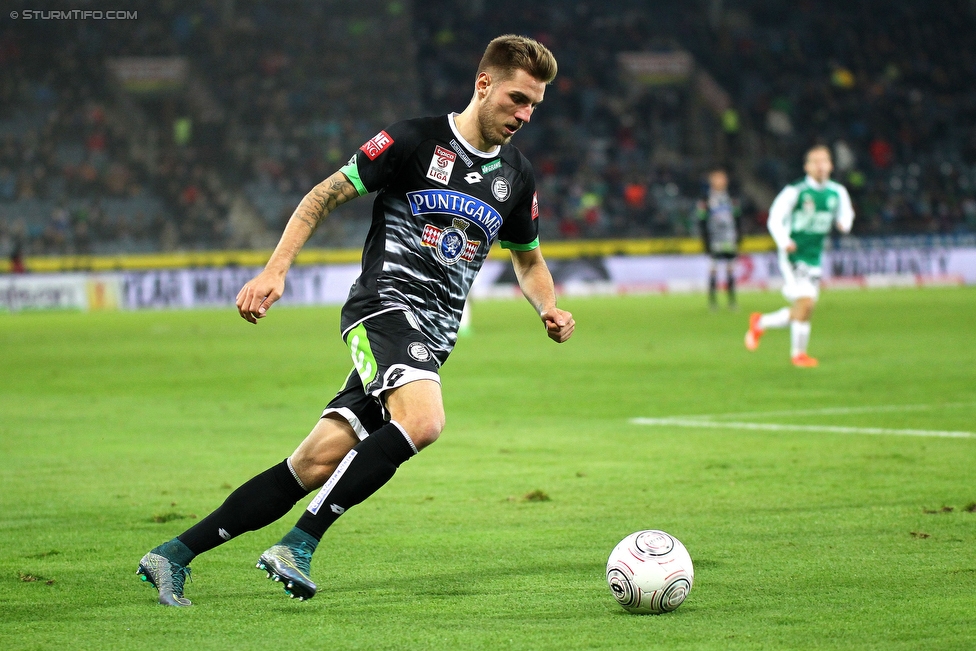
(800, 280)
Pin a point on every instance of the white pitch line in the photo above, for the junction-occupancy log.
(836, 411)
(775, 427)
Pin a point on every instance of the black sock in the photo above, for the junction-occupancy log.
(731, 289)
(257, 503)
(361, 473)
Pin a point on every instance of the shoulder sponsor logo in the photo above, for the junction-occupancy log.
(450, 244)
(441, 165)
(500, 188)
(535, 205)
(456, 204)
(492, 166)
(377, 145)
(473, 177)
(460, 152)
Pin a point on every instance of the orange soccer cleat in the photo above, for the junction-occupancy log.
(802, 360)
(754, 332)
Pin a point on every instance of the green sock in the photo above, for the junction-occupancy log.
(296, 536)
(175, 551)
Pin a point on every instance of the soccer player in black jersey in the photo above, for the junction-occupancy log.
(446, 189)
(719, 218)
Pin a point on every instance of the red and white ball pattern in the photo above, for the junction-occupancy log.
(650, 572)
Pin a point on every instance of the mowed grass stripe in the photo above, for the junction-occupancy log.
(779, 427)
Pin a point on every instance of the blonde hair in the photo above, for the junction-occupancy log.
(508, 53)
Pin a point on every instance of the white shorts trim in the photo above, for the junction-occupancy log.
(350, 417)
(399, 374)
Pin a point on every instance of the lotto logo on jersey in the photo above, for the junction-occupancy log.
(441, 165)
(377, 145)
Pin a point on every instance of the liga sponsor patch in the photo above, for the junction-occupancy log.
(377, 145)
(535, 205)
(441, 165)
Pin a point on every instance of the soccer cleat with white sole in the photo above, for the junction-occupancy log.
(291, 566)
(166, 576)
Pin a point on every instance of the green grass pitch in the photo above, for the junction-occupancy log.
(117, 429)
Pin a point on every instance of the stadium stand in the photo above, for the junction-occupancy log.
(269, 99)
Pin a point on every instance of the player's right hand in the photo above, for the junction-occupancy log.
(259, 294)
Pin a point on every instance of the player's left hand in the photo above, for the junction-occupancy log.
(559, 324)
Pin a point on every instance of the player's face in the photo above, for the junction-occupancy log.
(818, 165)
(507, 105)
(718, 181)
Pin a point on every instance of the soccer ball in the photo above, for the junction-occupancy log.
(650, 572)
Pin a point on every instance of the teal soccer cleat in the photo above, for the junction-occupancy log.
(167, 577)
(291, 566)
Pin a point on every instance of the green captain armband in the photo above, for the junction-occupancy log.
(534, 244)
(351, 170)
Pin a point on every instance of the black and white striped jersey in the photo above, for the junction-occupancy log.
(440, 205)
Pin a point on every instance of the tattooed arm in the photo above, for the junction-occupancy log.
(263, 290)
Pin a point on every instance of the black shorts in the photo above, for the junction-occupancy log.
(388, 350)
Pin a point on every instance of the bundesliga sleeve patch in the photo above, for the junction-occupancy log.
(535, 205)
(441, 165)
(377, 145)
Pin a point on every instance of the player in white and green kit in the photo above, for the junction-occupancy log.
(800, 219)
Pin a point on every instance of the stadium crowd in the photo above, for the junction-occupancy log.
(888, 84)
(277, 99)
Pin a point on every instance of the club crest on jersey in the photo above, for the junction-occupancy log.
(450, 244)
(377, 145)
(456, 204)
(500, 188)
(419, 351)
(441, 165)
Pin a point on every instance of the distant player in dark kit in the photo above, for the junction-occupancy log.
(447, 188)
(719, 219)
